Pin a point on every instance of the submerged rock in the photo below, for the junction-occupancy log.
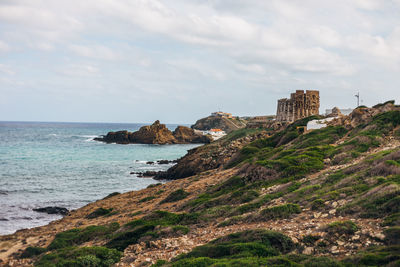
(53, 210)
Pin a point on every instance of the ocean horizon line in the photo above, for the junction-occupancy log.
(89, 122)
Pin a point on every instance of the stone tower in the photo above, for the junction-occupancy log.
(300, 105)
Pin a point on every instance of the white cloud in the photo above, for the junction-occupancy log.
(80, 70)
(4, 47)
(171, 48)
(95, 51)
(6, 69)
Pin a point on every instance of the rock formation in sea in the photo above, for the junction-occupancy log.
(156, 133)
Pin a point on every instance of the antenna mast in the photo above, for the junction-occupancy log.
(358, 99)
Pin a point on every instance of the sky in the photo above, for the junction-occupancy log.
(180, 60)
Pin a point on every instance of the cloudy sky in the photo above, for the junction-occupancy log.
(179, 60)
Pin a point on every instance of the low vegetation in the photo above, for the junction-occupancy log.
(80, 257)
(342, 228)
(175, 196)
(78, 236)
(98, 212)
(272, 183)
(156, 225)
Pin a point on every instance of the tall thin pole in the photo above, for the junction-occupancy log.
(358, 99)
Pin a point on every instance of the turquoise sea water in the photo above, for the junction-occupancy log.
(58, 164)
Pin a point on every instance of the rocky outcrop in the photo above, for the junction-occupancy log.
(156, 133)
(212, 156)
(187, 135)
(363, 115)
(213, 122)
(335, 113)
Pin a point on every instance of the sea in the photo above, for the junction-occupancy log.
(59, 164)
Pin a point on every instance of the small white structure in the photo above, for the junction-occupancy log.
(318, 124)
(221, 114)
(215, 133)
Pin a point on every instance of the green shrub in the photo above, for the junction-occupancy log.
(80, 257)
(392, 220)
(246, 208)
(175, 196)
(282, 211)
(30, 252)
(180, 229)
(79, 236)
(322, 261)
(233, 249)
(251, 243)
(342, 227)
(98, 212)
(335, 177)
(375, 256)
(392, 235)
(310, 240)
(317, 204)
(122, 240)
(243, 196)
(194, 262)
(384, 205)
(231, 221)
(383, 104)
(146, 226)
(274, 239)
(145, 199)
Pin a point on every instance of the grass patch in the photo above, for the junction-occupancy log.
(392, 235)
(98, 212)
(342, 228)
(79, 236)
(392, 220)
(86, 256)
(145, 199)
(375, 256)
(175, 196)
(30, 252)
(256, 243)
(317, 204)
(151, 226)
(310, 240)
(280, 212)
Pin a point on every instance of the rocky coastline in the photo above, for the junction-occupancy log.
(283, 197)
(156, 133)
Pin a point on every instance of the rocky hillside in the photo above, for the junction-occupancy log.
(218, 154)
(156, 133)
(329, 197)
(214, 122)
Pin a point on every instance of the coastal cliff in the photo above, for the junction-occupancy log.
(156, 133)
(327, 197)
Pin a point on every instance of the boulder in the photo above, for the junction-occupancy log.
(187, 135)
(120, 137)
(53, 210)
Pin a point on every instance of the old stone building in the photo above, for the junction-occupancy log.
(300, 105)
